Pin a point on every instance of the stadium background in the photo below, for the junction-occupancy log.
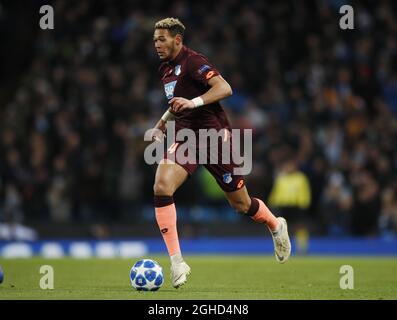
(322, 102)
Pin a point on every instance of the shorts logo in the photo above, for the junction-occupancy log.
(178, 70)
(209, 75)
(203, 68)
(169, 89)
(227, 178)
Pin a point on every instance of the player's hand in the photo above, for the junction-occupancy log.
(157, 134)
(179, 104)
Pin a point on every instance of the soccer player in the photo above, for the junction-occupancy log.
(194, 88)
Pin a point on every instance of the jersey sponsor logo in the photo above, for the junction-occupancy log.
(209, 75)
(169, 89)
(178, 70)
(227, 178)
(203, 68)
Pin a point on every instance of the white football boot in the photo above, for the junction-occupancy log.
(179, 273)
(282, 244)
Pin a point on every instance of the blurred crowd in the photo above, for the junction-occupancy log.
(321, 98)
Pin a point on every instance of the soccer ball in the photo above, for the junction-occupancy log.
(146, 275)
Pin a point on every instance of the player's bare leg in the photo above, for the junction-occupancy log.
(169, 177)
(258, 211)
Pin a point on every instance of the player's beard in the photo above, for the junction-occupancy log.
(171, 49)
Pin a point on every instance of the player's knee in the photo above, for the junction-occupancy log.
(161, 188)
(241, 206)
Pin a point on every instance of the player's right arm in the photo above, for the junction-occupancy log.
(158, 131)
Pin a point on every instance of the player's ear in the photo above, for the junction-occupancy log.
(178, 39)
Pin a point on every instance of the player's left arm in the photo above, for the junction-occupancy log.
(219, 89)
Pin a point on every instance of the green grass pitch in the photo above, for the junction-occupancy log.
(213, 277)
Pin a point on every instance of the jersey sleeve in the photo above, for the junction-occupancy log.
(200, 69)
